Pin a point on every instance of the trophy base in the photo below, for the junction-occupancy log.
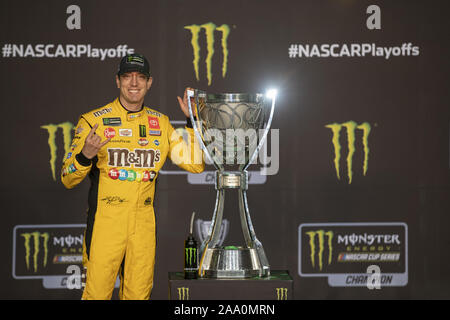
(237, 262)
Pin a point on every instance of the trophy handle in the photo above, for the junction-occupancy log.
(191, 94)
(264, 136)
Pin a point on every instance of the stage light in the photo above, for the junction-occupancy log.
(271, 93)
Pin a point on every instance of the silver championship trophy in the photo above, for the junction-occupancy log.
(231, 129)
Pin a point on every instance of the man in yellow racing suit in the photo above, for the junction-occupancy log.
(122, 146)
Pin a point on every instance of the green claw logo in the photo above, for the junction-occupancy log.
(351, 126)
(312, 245)
(209, 31)
(67, 128)
(282, 293)
(183, 293)
(191, 256)
(36, 236)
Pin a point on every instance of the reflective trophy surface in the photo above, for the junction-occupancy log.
(231, 128)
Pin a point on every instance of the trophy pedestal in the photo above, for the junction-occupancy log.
(278, 286)
(237, 262)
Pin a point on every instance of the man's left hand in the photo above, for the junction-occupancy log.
(184, 103)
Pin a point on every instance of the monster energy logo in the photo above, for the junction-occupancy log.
(36, 242)
(209, 31)
(191, 256)
(131, 59)
(67, 136)
(183, 293)
(312, 245)
(282, 293)
(142, 131)
(351, 126)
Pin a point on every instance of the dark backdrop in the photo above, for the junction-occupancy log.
(403, 98)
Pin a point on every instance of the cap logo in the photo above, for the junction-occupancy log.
(135, 60)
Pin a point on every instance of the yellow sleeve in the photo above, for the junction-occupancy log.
(188, 155)
(76, 167)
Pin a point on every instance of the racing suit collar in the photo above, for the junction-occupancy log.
(129, 115)
(128, 111)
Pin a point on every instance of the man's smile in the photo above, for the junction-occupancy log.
(134, 91)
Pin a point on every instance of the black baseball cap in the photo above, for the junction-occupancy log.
(134, 62)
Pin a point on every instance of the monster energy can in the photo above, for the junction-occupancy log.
(190, 255)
